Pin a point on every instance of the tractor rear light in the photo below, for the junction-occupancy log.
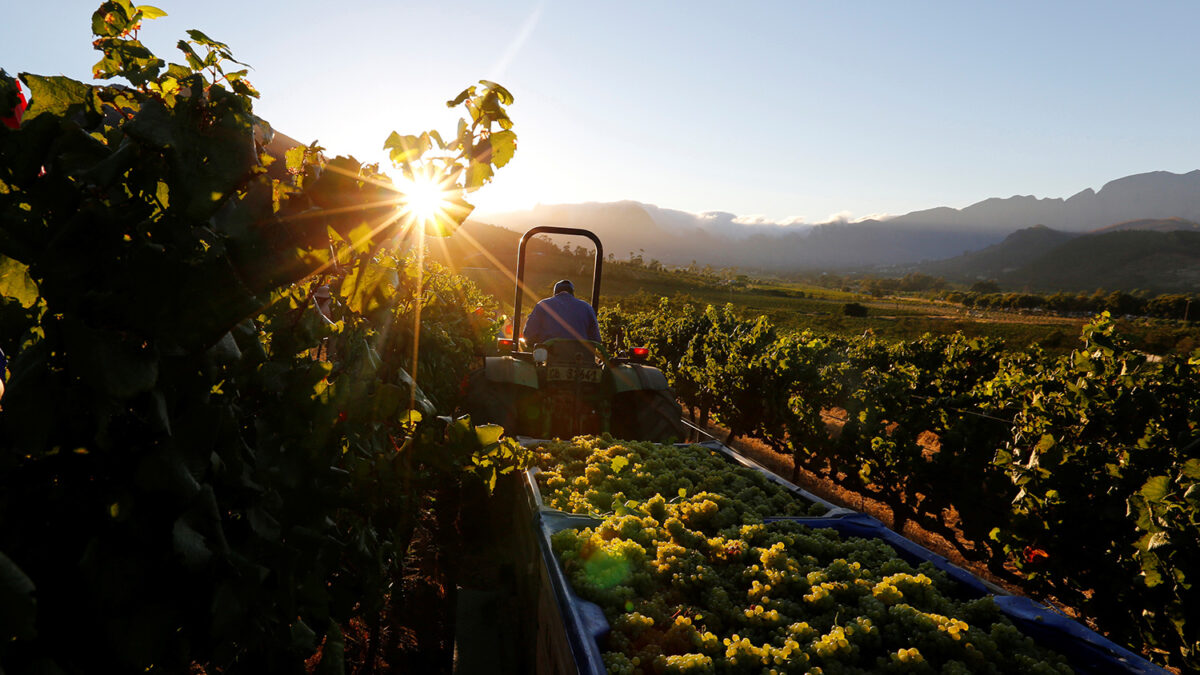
(505, 343)
(639, 353)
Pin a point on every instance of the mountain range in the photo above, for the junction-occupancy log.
(1160, 201)
(1152, 255)
(1155, 195)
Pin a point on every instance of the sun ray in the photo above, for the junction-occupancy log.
(416, 353)
(423, 205)
(374, 180)
(511, 275)
(321, 213)
(423, 199)
(429, 199)
(514, 46)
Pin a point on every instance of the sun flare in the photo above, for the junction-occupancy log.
(422, 198)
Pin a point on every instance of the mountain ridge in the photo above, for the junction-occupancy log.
(939, 233)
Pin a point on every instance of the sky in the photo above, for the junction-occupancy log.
(788, 111)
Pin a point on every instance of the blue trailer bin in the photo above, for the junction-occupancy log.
(581, 626)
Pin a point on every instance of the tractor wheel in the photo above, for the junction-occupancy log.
(649, 415)
(492, 402)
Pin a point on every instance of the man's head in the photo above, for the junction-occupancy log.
(564, 286)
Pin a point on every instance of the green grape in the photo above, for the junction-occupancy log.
(697, 583)
(655, 470)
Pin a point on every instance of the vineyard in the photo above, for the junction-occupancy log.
(1078, 471)
(230, 415)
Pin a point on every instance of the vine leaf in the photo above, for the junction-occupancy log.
(618, 463)
(18, 607)
(189, 544)
(58, 96)
(151, 12)
(488, 434)
(1156, 488)
(504, 146)
(16, 283)
(478, 174)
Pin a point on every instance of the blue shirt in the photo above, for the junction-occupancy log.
(562, 316)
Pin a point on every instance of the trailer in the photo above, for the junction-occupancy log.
(570, 632)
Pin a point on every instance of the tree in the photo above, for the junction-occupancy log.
(985, 287)
(854, 309)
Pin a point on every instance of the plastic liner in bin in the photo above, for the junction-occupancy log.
(533, 494)
(1086, 650)
(584, 621)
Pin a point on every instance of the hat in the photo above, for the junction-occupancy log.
(564, 285)
(321, 292)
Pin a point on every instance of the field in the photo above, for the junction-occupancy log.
(789, 305)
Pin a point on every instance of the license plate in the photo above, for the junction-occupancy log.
(573, 374)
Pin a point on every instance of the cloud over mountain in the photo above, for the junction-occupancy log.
(721, 223)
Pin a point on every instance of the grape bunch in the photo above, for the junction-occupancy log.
(597, 475)
(700, 584)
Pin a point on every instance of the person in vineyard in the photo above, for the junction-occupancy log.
(323, 301)
(562, 316)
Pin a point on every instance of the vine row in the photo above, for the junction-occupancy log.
(1079, 470)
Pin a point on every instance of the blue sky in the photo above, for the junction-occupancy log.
(781, 110)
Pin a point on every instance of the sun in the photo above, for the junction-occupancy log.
(422, 198)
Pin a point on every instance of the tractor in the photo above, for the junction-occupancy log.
(565, 388)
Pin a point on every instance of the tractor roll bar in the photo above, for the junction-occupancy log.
(549, 229)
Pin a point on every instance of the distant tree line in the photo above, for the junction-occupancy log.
(988, 295)
(914, 282)
(1118, 303)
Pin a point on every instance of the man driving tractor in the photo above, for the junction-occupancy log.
(570, 386)
(562, 316)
